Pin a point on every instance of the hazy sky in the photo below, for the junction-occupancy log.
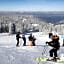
(31, 5)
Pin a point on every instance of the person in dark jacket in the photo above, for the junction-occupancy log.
(34, 41)
(30, 37)
(24, 39)
(17, 38)
(55, 46)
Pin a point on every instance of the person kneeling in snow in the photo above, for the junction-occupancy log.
(55, 46)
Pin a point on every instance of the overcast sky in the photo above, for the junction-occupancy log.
(31, 5)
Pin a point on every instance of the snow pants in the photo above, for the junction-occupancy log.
(17, 42)
(53, 53)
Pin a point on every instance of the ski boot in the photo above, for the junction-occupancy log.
(50, 59)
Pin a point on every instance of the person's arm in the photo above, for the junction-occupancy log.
(50, 43)
(19, 36)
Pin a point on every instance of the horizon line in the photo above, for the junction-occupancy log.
(31, 11)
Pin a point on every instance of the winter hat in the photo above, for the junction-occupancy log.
(55, 37)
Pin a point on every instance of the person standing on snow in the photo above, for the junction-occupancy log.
(17, 38)
(34, 41)
(24, 39)
(55, 46)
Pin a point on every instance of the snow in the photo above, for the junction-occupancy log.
(10, 54)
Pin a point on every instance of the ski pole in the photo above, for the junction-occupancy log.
(44, 49)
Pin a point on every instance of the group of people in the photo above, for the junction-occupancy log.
(31, 39)
(54, 43)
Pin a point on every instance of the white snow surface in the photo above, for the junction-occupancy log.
(10, 54)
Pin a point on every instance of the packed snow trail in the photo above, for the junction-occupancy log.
(23, 55)
(10, 54)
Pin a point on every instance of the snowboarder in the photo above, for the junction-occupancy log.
(24, 39)
(17, 38)
(55, 46)
(33, 42)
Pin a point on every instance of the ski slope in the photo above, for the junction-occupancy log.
(10, 54)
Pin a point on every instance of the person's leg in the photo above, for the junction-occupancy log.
(55, 53)
(24, 44)
(51, 53)
(17, 43)
(33, 43)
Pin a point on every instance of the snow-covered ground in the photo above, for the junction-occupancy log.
(10, 54)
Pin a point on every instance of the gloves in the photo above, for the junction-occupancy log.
(46, 42)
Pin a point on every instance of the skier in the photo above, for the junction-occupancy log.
(17, 38)
(24, 39)
(33, 41)
(55, 47)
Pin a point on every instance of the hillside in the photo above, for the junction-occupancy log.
(49, 17)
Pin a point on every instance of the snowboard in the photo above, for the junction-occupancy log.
(42, 59)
